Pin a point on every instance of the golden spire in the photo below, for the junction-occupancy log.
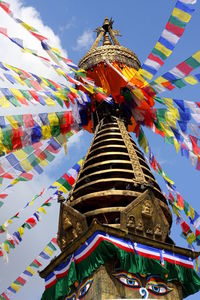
(110, 49)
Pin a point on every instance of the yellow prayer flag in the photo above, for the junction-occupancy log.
(48, 251)
(59, 71)
(73, 90)
(181, 15)
(6, 247)
(176, 145)
(146, 74)
(31, 203)
(160, 80)
(16, 93)
(163, 49)
(20, 154)
(171, 121)
(53, 119)
(15, 286)
(56, 50)
(166, 130)
(19, 80)
(60, 187)
(191, 238)
(192, 213)
(41, 209)
(27, 26)
(60, 95)
(49, 101)
(12, 121)
(197, 56)
(4, 102)
(46, 132)
(26, 165)
(191, 80)
(167, 179)
(21, 231)
(29, 269)
(138, 93)
(43, 163)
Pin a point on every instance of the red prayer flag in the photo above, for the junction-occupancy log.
(6, 7)
(184, 68)
(54, 240)
(3, 196)
(185, 227)
(4, 295)
(38, 36)
(27, 176)
(37, 262)
(174, 29)
(28, 120)
(21, 280)
(180, 201)
(197, 232)
(31, 221)
(195, 147)
(3, 31)
(70, 179)
(7, 175)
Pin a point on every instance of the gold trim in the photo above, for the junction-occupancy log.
(124, 193)
(111, 53)
(106, 171)
(112, 133)
(107, 153)
(108, 146)
(113, 124)
(107, 162)
(108, 129)
(109, 140)
(104, 210)
(103, 181)
(139, 176)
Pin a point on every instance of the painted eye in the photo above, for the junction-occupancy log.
(128, 280)
(84, 288)
(158, 289)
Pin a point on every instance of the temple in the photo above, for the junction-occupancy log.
(114, 227)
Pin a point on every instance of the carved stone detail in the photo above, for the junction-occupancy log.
(147, 209)
(139, 175)
(71, 225)
(144, 216)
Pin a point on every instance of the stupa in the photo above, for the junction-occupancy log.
(114, 227)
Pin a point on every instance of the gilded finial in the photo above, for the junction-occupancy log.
(106, 40)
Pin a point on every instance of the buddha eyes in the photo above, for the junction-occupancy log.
(132, 281)
(128, 280)
(84, 288)
(158, 288)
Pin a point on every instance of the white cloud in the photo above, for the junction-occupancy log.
(70, 24)
(12, 54)
(85, 40)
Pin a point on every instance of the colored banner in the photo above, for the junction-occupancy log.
(32, 269)
(35, 161)
(63, 184)
(179, 75)
(52, 125)
(169, 38)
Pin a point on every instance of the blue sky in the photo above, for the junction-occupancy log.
(140, 23)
